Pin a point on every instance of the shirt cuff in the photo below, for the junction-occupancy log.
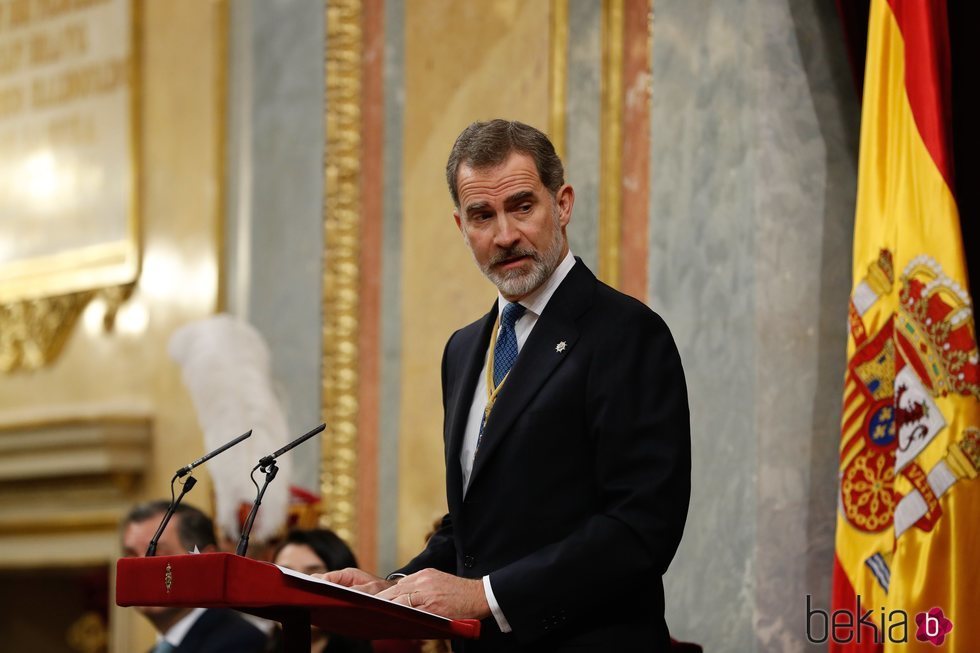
(498, 614)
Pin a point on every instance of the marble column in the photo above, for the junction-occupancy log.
(754, 144)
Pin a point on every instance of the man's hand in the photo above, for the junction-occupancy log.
(357, 580)
(440, 593)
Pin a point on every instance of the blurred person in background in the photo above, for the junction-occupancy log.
(186, 630)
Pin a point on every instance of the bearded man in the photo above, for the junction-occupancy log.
(566, 430)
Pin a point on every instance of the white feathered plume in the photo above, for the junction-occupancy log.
(225, 366)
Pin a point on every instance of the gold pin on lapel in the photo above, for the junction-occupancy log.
(560, 347)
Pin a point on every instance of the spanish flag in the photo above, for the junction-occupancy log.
(908, 524)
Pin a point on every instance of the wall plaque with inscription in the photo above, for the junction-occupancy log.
(68, 146)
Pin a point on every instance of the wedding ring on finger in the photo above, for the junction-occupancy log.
(411, 603)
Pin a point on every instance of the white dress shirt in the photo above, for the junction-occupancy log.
(535, 304)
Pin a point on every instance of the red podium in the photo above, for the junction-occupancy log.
(225, 580)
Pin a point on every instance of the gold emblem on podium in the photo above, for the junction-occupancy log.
(168, 578)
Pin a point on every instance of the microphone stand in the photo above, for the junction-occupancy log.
(270, 469)
(188, 485)
(268, 466)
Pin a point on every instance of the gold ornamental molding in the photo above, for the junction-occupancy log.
(558, 75)
(341, 278)
(611, 170)
(34, 331)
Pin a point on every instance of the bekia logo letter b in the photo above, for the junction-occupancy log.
(933, 626)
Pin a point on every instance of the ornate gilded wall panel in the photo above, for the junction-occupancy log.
(558, 75)
(611, 170)
(341, 264)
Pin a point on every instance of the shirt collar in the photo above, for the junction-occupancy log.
(180, 629)
(537, 300)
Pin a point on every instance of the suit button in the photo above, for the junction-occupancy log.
(469, 561)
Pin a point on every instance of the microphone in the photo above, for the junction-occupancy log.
(184, 471)
(265, 462)
(268, 466)
(188, 485)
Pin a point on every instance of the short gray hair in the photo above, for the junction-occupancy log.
(484, 145)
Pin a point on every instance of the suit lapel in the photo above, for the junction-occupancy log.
(474, 355)
(551, 341)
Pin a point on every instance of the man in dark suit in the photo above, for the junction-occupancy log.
(187, 630)
(566, 430)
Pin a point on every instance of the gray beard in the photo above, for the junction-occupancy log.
(518, 283)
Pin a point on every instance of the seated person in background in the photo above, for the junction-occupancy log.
(186, 630)
(315, 552)
(318, 551)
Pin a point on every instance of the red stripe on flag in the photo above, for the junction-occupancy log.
(855, 404)
(842, 597)
(925, 30)
(856, 415)
(850, 446)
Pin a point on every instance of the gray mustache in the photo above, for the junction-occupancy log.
(515, 252)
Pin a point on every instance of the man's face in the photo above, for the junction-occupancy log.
(512, 224)
(137, 535)
(135, 538)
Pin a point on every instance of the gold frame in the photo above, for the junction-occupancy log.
(342, 266)
(611, 170)
(42, 297)
(221, 30)
(558, 70)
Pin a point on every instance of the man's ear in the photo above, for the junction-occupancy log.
(565, 198)
(459, 223)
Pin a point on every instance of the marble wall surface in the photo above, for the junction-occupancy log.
(583, 126)
(753, 179)
(274, 218)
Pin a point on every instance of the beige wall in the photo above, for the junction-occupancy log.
(181, 84)
(462, 63)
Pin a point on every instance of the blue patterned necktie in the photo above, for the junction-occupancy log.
(504, 355)
(505, 351)
(163, 646)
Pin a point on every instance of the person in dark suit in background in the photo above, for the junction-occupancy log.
(566, 430)
(186, 630)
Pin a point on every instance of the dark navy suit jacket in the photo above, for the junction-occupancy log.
(579, 492)
(222, 631)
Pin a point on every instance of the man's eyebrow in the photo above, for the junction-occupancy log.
(519, 196)
(476, 206)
